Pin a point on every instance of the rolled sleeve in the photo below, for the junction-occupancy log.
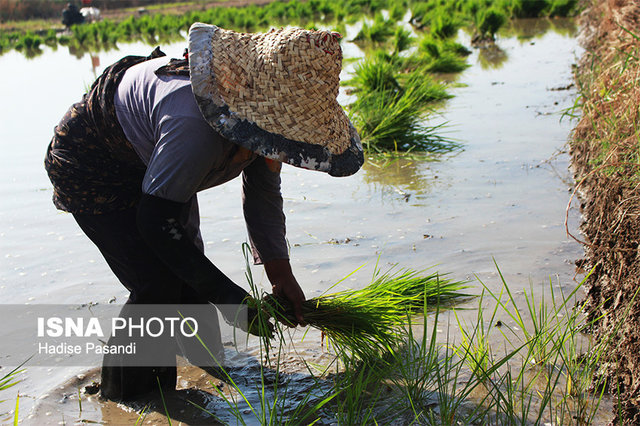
(262, 204)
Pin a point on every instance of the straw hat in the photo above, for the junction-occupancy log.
(275, 94)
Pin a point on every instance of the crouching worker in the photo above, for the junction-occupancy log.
(129, 158)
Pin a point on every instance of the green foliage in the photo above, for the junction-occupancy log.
(441, 17)
(491, 21)
(28, 41)
(367, 322)
(529, 8)
(377, 32)
(402, 40)
(373, 74)
(562, 8)
(493, 374)
(442, 56)
(392, 120)
(444, 26)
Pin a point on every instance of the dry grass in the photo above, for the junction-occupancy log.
(606, 158)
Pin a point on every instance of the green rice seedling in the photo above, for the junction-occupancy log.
(301, 11)
(50, 38)
(390, 122)
(142, 415)
(436, 48)
(398, 10)
(529, 8)
(415, 363)
(447, 62)
(377, 32)
(321, 8)
(274, 406)
(425, 381)
(443, 26)
(28, 42)
(428, 90)
(543, 330)
(164, 404)
(562, 8)
(402, 40)
(367, 321)
(442, 55)
(373, 74)
(276, 12)
(559, 387)
(475, 345)
(10, 379)
(359, 392)
(490, 22)
(421, 12)
(16, 411)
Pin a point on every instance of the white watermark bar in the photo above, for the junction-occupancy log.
(118, 335)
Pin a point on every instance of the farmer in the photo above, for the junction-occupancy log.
(129, 158)
(71, 15)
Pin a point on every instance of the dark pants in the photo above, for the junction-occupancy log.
(149, 282)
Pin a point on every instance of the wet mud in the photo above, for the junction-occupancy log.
(201, 394)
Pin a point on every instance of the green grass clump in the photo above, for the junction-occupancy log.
(371, 75)
(394, 94)
(391, 121)
(442, 56)
(491, 21)
(377, 32)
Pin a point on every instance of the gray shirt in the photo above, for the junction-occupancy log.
(184, 155)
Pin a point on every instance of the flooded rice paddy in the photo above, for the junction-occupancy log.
(501, 200)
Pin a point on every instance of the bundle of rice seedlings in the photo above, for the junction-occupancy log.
(392, 120)
(368, 322)
(373, 74)
(378, 32)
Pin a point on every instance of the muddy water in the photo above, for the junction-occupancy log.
(503, 198)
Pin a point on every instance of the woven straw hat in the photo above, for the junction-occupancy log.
(275, 94)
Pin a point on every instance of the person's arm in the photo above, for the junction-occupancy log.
(265, 219)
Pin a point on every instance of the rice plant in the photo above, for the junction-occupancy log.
(366, 322)
(372, 74)
(442, 56)
(377, 32)
(426, 380)
(490, 22)
(392, 120)
(402, 40)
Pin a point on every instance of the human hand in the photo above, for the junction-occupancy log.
(285, 286)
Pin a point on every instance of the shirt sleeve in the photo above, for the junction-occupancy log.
(262, 204)
(186, 152)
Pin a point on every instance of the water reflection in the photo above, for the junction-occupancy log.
(407, 176)
(526, 29)
(492, 57)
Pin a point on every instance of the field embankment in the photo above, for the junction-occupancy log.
(605, 154)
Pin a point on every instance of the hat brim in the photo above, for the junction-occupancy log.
(251, 136)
